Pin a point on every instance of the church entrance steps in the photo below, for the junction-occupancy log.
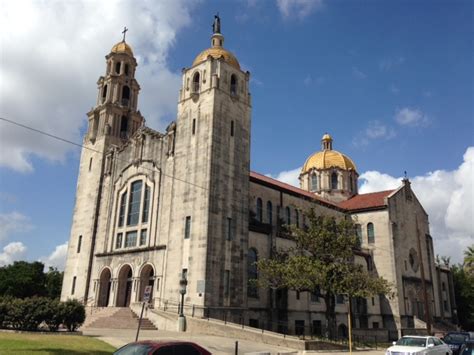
(115, 318)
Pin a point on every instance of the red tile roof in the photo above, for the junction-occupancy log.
(371, 200)
(366, 201)
(289, 188)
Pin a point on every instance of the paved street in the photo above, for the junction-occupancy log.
(216, 345)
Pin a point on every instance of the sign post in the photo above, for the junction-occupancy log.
(146, 299)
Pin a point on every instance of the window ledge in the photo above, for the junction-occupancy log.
(130, 251)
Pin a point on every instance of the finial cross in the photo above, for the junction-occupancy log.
(125, 29)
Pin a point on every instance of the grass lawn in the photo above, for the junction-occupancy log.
(42, 344)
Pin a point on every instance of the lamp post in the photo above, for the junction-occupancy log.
(182, 290)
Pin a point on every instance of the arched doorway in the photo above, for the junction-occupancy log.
(342, 331)
(104, 288)
(147, 278)
(124, 290)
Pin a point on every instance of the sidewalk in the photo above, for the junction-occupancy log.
(216, 345)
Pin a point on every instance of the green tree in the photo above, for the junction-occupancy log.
(53, 282)
(22, 279)
(469, 259)
(322, 258)
(464, 296)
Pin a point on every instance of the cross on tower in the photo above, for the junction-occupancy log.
(125, 29)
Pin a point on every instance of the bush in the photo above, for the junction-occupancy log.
(29, 313)
(74, 314)
(56, 316)
(3, 311)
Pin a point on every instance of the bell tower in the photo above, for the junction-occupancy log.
(111, 122)
(212, 153)
(115, 113)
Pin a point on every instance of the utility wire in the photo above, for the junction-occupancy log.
(98, 151)
(93, 150)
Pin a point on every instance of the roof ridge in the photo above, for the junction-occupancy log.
(295, 189)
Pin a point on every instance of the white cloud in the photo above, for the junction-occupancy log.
(12, 252)
(358, 73)
(410, 117)
(389, 63)
(374, 130)
(308, 80)
(448, 198)
(13, 222)
(53, 54)
(289, 176)
(298, 8)
(57, 258)
(394, 89)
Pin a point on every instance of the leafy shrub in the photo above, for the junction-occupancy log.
(29, 313)
(74, 314)
(3, 311)
(56, 316)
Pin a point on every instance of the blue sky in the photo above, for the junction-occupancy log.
(391, 81)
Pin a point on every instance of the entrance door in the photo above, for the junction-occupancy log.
(104, 288)
(128, 293)
(124, 289)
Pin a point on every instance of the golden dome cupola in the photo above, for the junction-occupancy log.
(217, 50)
(329, 173)
(122, 47)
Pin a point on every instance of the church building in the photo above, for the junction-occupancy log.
(154, 207)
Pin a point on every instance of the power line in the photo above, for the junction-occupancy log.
(101, 152)
(93, 150)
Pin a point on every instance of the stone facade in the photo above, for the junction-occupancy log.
(154, 207)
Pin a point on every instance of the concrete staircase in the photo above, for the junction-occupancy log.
(115, 318)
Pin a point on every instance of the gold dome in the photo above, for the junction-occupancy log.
(217, 52)
(122, 47)
(328, 158)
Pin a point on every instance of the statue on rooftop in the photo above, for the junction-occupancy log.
(216, 26)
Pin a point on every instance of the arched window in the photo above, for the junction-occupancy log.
(369, 263)
(125, 95)
(370, 233)
(314, 182)
(233, 84)
(351, 183)
(334, 181)
(252, 274)
(126, 69)
(288, 215)
(104, 93)
(146, 204)
(123, 204)
(259, 211)
(117, 67)
(196, 83)
(358, 228)
(297, 218)
(123, 127)
(269, 213)
(134, 203)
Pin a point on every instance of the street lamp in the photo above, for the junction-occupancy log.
(182, 290)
